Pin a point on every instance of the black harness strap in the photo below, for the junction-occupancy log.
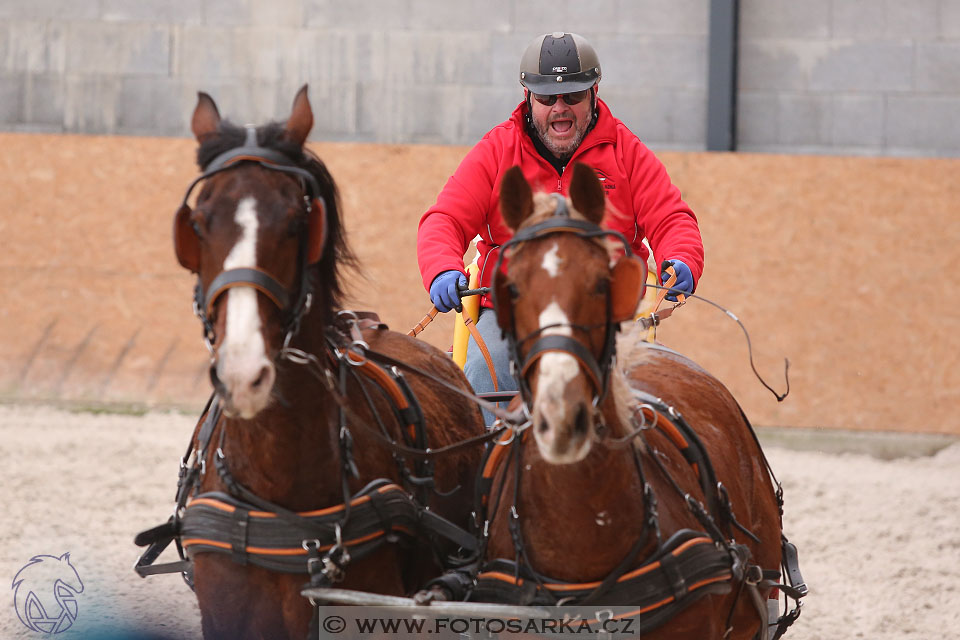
(192, 468)
(560, 343)
(685, 568)
(246, 276)
(239, 539)
(211, 524)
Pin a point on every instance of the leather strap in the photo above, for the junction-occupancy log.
(569, 346)
(672, 280)
(427, 319)
(472, 328)
(247, 277)
(565, 224)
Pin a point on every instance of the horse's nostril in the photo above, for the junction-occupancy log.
(581, 421)
(542, 426)
(261, 378)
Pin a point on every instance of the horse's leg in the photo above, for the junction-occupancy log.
(238, 602)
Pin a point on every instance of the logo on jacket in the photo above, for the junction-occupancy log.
(45, 593)
(605, 180)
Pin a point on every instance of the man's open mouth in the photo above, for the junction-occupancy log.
(561, 126)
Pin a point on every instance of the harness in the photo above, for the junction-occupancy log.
(321, 542)
(240, 523)
(679, 571)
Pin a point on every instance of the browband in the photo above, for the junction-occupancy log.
(561, 224)
(266, 157)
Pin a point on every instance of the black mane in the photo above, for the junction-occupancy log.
(326, 275)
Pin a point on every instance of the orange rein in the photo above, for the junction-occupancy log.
(472, 328)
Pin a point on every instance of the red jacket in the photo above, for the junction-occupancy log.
(636, 184)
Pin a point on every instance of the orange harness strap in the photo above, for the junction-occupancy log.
(386, 382)
(472, 328)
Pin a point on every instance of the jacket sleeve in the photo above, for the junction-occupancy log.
(446, 229)
(666, 220)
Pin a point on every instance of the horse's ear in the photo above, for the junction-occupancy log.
(516, 198)
(586, 193)
(301, 119)
(206, 118)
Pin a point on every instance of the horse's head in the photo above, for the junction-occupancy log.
(262, 231)
(566, 290)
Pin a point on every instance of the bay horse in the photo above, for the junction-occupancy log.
(300, 464)
(635, 482)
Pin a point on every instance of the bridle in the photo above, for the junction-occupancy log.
(292, 305)
(625, 289)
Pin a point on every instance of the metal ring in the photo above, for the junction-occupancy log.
(306, 544)
(347, 313)
(358, 348)
(297, 356)
(656, 416)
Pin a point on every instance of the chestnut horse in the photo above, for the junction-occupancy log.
(626, 492)
(304, 419)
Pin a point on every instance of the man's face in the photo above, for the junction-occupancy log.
(561, 126)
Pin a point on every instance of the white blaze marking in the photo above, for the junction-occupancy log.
(557, 369)
(551, 261)
(553, 314)
(243, 339)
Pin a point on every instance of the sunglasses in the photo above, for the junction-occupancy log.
(570, 98)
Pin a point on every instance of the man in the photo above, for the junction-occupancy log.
(560, 121)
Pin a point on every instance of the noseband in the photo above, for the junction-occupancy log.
(597, 370)
(293, 307)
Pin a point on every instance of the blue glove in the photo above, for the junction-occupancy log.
(684, 283)
(444, 290)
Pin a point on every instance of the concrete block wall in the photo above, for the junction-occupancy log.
(395, 71)
(850, 76)
(823, 76)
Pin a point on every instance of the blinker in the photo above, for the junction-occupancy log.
(185, 240)
(627, 281)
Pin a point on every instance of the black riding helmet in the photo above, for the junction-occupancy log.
(559, 62)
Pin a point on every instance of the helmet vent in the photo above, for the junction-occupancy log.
(557, 53)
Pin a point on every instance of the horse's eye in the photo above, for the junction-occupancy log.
(198, 221)
(603, 286)
(514, 292)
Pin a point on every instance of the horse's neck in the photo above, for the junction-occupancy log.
(563, 509)
(289, 453)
